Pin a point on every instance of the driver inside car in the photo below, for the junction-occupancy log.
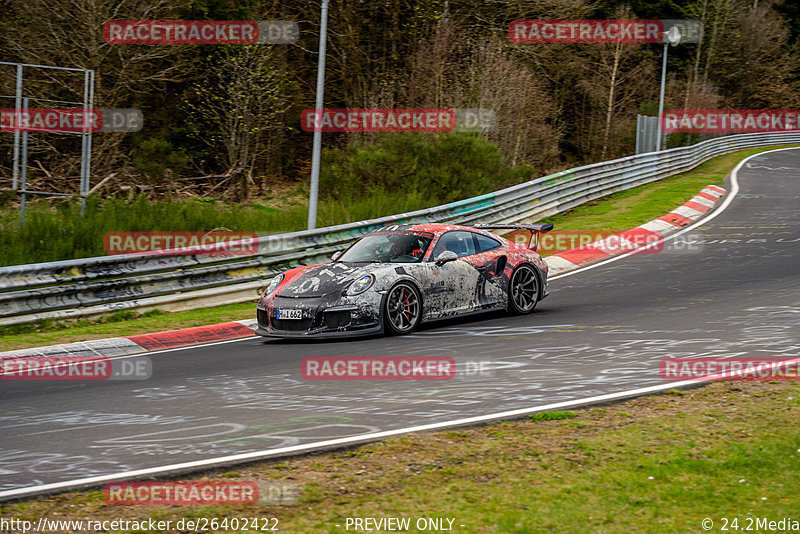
(406, 248)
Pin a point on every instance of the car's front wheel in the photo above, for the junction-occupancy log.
(402, 308)
(523, 290)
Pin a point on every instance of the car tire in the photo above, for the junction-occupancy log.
(523, 290)
(402, 309)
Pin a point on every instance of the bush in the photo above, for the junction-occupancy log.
(155, 156)
(441, 168)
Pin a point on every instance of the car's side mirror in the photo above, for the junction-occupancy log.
(336, 255)
(446, 256)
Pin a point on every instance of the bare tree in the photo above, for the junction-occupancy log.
(69, 33)
(240, 101)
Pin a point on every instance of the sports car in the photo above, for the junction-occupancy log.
(395, 278)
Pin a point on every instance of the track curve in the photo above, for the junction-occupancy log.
(602, 332)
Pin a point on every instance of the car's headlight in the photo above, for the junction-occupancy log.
(273, 284)
(361, 285)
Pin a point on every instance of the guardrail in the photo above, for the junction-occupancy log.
(93, 286)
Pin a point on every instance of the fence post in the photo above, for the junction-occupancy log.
(17, 107)
(24, 163)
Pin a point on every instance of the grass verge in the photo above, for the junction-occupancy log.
(618, 212)
(653, 464)
(628, 209)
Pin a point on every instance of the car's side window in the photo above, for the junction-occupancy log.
(459, 242)
(485, 243)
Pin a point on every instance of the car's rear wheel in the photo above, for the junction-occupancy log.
(402, 308)
(523, 290)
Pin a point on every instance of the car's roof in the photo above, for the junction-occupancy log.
(433, 228)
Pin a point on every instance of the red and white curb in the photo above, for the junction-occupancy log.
(629, 240)
(124, 346)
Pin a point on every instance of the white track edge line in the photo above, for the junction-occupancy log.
(264, 454)
(703, 220)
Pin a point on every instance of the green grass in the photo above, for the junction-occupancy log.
(725, 450)
(59, 232)
(552, 416)
(628, 209)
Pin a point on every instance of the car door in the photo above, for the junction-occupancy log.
(450, 289)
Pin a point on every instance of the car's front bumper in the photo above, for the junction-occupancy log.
(320, 318)
(269, 332)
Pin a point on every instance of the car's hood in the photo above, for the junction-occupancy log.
(321, 280)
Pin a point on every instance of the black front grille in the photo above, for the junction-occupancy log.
(291, 325)
(337, 319)
(261, 315)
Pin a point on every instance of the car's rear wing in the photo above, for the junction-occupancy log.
(536, 230)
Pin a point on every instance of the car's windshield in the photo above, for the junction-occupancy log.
(388, 247)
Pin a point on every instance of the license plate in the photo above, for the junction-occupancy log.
(289, 314)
